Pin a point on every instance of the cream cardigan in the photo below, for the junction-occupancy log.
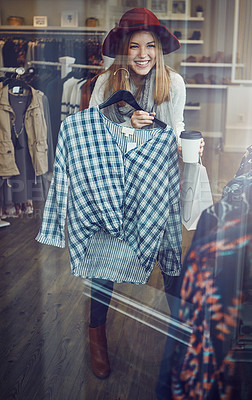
(175, 117)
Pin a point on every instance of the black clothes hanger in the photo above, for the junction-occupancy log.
(16, 80)
(12, 82)
(125, 95)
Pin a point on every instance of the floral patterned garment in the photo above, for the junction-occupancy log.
(216, 266)
(246, 162)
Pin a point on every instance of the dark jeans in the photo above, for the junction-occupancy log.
(101, 292)
(172, 290)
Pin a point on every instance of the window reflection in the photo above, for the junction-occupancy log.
(189, 340)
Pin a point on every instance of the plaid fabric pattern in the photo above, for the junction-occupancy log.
(133, 196)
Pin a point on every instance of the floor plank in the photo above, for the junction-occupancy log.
(44, 349)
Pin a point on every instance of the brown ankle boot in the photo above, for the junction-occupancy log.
(98, 352)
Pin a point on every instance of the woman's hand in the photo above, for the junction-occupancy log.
(141, 118)
(202, 144)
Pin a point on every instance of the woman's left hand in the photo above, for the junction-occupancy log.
(202, 144)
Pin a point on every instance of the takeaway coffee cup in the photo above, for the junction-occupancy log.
(190, 142)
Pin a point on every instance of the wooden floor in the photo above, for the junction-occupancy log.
(44, 351)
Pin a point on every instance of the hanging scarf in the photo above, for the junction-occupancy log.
(164, 111)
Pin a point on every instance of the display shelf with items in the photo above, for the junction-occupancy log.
(177, 17)
(172, 14)
(191, 106)
(172, 9)
(185, 30)
(208, 74)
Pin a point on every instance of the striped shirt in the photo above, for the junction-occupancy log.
(119, 188)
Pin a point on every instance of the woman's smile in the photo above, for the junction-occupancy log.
(142, 63)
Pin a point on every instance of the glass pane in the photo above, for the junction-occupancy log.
(125, 268)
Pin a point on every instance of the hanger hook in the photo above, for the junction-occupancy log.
(19, 71)
(128, 75)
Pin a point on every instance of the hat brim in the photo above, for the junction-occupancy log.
(110, 45)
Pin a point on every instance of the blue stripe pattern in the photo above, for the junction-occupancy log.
(127, 199)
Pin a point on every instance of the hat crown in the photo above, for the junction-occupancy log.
(138, 17)
(135, 20)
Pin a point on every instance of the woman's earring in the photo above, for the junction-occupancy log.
(127, 76)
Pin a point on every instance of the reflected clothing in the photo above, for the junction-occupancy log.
(218, 262)
(126, 194)
(246, 162)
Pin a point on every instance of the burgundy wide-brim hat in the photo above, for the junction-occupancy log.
(135, 20)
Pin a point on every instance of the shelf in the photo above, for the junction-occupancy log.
(199, 64)
(51, 29)
(205, 86)
(192, 108)
(188, 41)
(194, 19)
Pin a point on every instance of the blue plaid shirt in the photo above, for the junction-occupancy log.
(100, 185)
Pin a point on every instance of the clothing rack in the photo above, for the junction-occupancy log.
(66, 64)
(8, 69)
(86, 66)
(52, 63)
(85, 44)
(50, 31)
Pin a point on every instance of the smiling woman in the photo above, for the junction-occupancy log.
(138, 46)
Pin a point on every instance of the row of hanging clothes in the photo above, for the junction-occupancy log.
(64, 94)
(15, 52)
(61, 97)
(26, 159)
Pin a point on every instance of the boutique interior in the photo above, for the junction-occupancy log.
(192, 344)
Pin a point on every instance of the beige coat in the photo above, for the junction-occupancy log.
(36, 129)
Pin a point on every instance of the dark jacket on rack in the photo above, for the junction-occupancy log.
(35, 126)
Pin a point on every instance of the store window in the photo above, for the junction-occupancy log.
(125, 266)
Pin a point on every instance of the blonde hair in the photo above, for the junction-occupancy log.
(118, 72)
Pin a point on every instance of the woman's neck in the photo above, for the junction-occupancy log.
(138, 80)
